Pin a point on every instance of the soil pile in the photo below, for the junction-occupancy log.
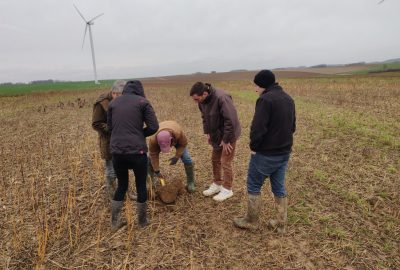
(168, 192)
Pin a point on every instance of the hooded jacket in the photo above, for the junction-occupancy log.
(99, 123)
(220, 118)
(126, 117)
(274, 122)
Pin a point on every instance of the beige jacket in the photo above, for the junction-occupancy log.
(179, 141)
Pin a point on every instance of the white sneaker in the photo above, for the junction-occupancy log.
(223, 195)
(213, 189)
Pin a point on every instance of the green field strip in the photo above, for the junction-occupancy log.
(19, 89)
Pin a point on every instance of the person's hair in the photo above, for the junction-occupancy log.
(199, 88)
(118, 86)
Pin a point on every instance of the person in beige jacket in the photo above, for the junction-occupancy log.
(170, 134)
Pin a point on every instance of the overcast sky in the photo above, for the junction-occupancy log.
(42, 39)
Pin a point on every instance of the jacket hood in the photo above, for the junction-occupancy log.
(210, 93)
(103, 97)
(133, 87)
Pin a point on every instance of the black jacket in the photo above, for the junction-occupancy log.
(274, 123)
(126, 117)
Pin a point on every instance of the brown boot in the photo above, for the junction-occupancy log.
(250, 221)
(281, 217)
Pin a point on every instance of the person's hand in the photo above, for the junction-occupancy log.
(226, 147)
(173, 160)
(252, 152)
(208, 139)
(158, 174)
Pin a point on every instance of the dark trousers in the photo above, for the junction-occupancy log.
(138, 163)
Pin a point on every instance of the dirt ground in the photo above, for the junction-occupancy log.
(343, 183)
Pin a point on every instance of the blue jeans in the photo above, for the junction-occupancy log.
(261, 167)
(186, 159)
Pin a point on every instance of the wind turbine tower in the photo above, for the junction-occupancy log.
(88, 25)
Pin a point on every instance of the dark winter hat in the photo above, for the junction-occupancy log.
(264, 79)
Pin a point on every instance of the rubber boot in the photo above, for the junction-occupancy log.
(189, 170)
(281, 217)
(250, 221)
(116, 221)
(110, 189)
(142, 214)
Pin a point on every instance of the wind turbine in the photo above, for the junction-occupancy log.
(88, 25)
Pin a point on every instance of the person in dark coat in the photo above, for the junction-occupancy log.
(126, 118)
(271, 140)
(222, 128)
(99, 123)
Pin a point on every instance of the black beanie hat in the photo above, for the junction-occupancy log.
(264, 79)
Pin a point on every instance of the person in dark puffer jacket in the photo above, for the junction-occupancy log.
(126, 118)
(271, 140)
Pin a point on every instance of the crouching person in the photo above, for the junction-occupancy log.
(171, 134)
(271, 139)
(126, 118)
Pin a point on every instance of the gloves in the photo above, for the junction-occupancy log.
(158, 174)
(173, 160)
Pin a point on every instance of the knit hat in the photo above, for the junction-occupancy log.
(264, 79)
(164, 141)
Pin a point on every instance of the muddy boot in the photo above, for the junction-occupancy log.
(281, 217)
(250, 221)
(116, 221)
(142, 214)
(189, 169)
(110, 189)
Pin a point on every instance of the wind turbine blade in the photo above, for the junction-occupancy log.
(96, 17)
(80, 13)
(84, 35)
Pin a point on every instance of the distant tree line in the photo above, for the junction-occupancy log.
(32, 82)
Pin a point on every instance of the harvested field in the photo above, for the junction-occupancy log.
(179, 80)
(343, 183)
(333, 69)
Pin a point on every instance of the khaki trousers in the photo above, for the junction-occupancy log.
(223, 162)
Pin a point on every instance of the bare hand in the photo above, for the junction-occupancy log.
(208, 139)
(226, 147)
